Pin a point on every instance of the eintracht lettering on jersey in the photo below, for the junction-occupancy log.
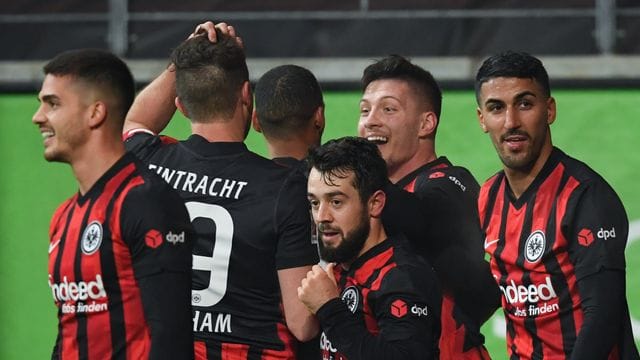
(540, 298)
(200, 184)
(79, 296)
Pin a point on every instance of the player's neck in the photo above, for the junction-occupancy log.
(377, 234)
(396, 173)
(520, 179)
(294, 149)
(220, 131)
(93, 161)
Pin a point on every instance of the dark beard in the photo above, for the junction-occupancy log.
(350, 246)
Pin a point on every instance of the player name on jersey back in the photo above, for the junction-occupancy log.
(199, 184)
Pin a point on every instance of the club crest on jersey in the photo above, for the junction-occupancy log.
(91, 238)
(350, 297)
(534, 246)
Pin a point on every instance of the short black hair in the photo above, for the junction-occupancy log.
(512, 64)
(100, 69)
(337, 158)
(286, 96)
(399, 68)
(209, 76)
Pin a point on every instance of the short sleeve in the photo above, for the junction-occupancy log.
(293, 225)
(157, 229)
(596, 229)
(143, 144)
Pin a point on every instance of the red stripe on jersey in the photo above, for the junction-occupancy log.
(451, 343)
(287, 339)
(376, 284)
(548, 327)
(60, 215)
(362, 276)
(410, 187)
(133, 311)
(440, 166)
(69, 345)
(234, 351)
(200, 350)
(167, 140)
(372, 265)
(483, 198)
(99, 325)
(68, 323)
(566, 266)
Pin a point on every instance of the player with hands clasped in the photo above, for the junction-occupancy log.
(375, 300)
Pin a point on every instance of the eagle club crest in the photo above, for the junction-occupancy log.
(534, 246)
(91, 238)
(350, 297)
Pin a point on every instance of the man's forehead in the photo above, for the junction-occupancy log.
(386, 88)
(329, 182)
(501, 87)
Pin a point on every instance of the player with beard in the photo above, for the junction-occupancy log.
(376, 299)
(556, 231)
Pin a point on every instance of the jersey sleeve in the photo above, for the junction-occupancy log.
(293, 225)
(144, 143)
(596, 229)
(407, 315)
(453, 246)
(157, 229)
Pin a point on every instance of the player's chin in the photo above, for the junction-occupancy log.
(53, 156)
(331, 240)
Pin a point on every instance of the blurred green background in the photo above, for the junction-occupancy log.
(600, 127)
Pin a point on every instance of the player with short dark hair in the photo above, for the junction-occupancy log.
(289, 111)
(400, 112)
(120, 249)
(376, 299)
(250, 214)
(556, 231)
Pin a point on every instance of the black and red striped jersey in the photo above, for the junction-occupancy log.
(389, 307)
(251, 219)
(119, 269)
(441, 222)
(568, 225)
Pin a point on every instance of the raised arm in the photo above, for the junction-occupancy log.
(154, 106)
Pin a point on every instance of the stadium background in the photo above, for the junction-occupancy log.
(590, 49)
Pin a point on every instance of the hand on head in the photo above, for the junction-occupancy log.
(208, 28)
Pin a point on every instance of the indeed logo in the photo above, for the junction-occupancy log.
(75, 291)
(419, 311)
(175, 238)
(607, 234)
(325, 344)
(532, 293)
